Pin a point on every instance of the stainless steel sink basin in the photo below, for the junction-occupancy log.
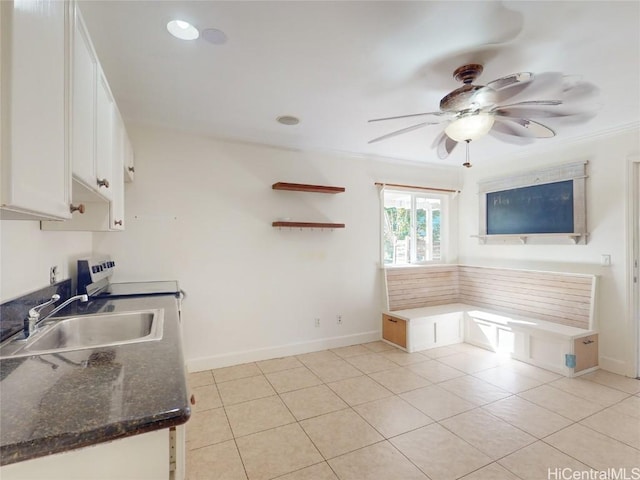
(89, 331)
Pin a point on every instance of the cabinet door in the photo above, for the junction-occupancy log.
(129, 167)
(83, 105)
(481, 333)
(105, 152)
(116, 211)
(447, 329)
(140, 457)
(36, 174)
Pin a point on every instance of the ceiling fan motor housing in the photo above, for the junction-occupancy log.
(468, 73)
(467, 97)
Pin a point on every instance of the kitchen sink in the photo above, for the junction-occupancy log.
(89, 331)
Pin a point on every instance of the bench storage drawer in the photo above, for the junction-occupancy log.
(394, 330)
(586, 351)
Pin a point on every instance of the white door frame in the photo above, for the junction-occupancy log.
(633, 256)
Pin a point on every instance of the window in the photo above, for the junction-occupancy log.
(412, 227)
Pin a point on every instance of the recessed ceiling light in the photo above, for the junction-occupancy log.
(214, 36)
(182, 30)
(288, 120)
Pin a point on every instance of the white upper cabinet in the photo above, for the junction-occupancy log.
(129, 167)
(83, 105)
(119, 137)
(105, 113)
(34, 143)
(91, 116)
(100, 147)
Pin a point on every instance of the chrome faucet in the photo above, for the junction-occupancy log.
(34, 313)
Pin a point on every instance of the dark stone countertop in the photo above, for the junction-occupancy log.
(58, 402)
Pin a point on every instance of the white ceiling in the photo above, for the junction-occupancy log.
(336, 64)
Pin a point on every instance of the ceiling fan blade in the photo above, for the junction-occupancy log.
(444, 145)
(530, 128)
(578, 91)
(437, 114)
(400, 132)
(541, 85)
(507, 133)
(527, 102)
(521, 112)
(519, 78)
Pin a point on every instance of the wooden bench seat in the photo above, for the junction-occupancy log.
(543, 318)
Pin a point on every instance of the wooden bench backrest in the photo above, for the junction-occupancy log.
(421, 286)
(563, 298)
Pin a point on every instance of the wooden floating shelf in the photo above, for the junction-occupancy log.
(307, 225)
(301, 187)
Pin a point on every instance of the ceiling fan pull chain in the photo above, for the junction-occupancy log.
(467, 163)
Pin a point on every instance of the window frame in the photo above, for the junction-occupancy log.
(444, 224)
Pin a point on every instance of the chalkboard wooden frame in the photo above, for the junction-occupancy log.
(574, 172)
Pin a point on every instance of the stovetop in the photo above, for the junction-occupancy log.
(94, 279)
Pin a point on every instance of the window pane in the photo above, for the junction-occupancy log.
(427, 229)
(423, 223)
(411, 228)
(397, 228)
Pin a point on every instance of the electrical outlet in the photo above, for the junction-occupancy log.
(53, 274)
(339, 319)
(317, 322)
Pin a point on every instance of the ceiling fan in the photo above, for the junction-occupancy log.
(472, 111)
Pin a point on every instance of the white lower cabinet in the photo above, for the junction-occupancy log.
(495, 337)
(567, 352)
(423, 332)
(143, 457)
(435, 331)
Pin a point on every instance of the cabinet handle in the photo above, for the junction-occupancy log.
(392, 320)
(192, 400)
(102, 182)
(435, 333)
(117, 222)
(587, 342)
(76, 208)
(131, 169)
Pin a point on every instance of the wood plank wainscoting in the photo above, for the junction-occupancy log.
(415, 287)
(563, 298)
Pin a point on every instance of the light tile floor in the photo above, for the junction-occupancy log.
(375, 412)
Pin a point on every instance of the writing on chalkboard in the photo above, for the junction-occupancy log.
(546, 208)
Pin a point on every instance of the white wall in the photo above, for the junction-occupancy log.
(200, 211)
(606, 221)
(27, 253)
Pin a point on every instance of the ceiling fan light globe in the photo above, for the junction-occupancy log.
(470, 127)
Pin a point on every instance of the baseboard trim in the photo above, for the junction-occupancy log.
(613, 365)
(236, 358)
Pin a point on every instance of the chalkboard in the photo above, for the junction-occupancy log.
(546, 208)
